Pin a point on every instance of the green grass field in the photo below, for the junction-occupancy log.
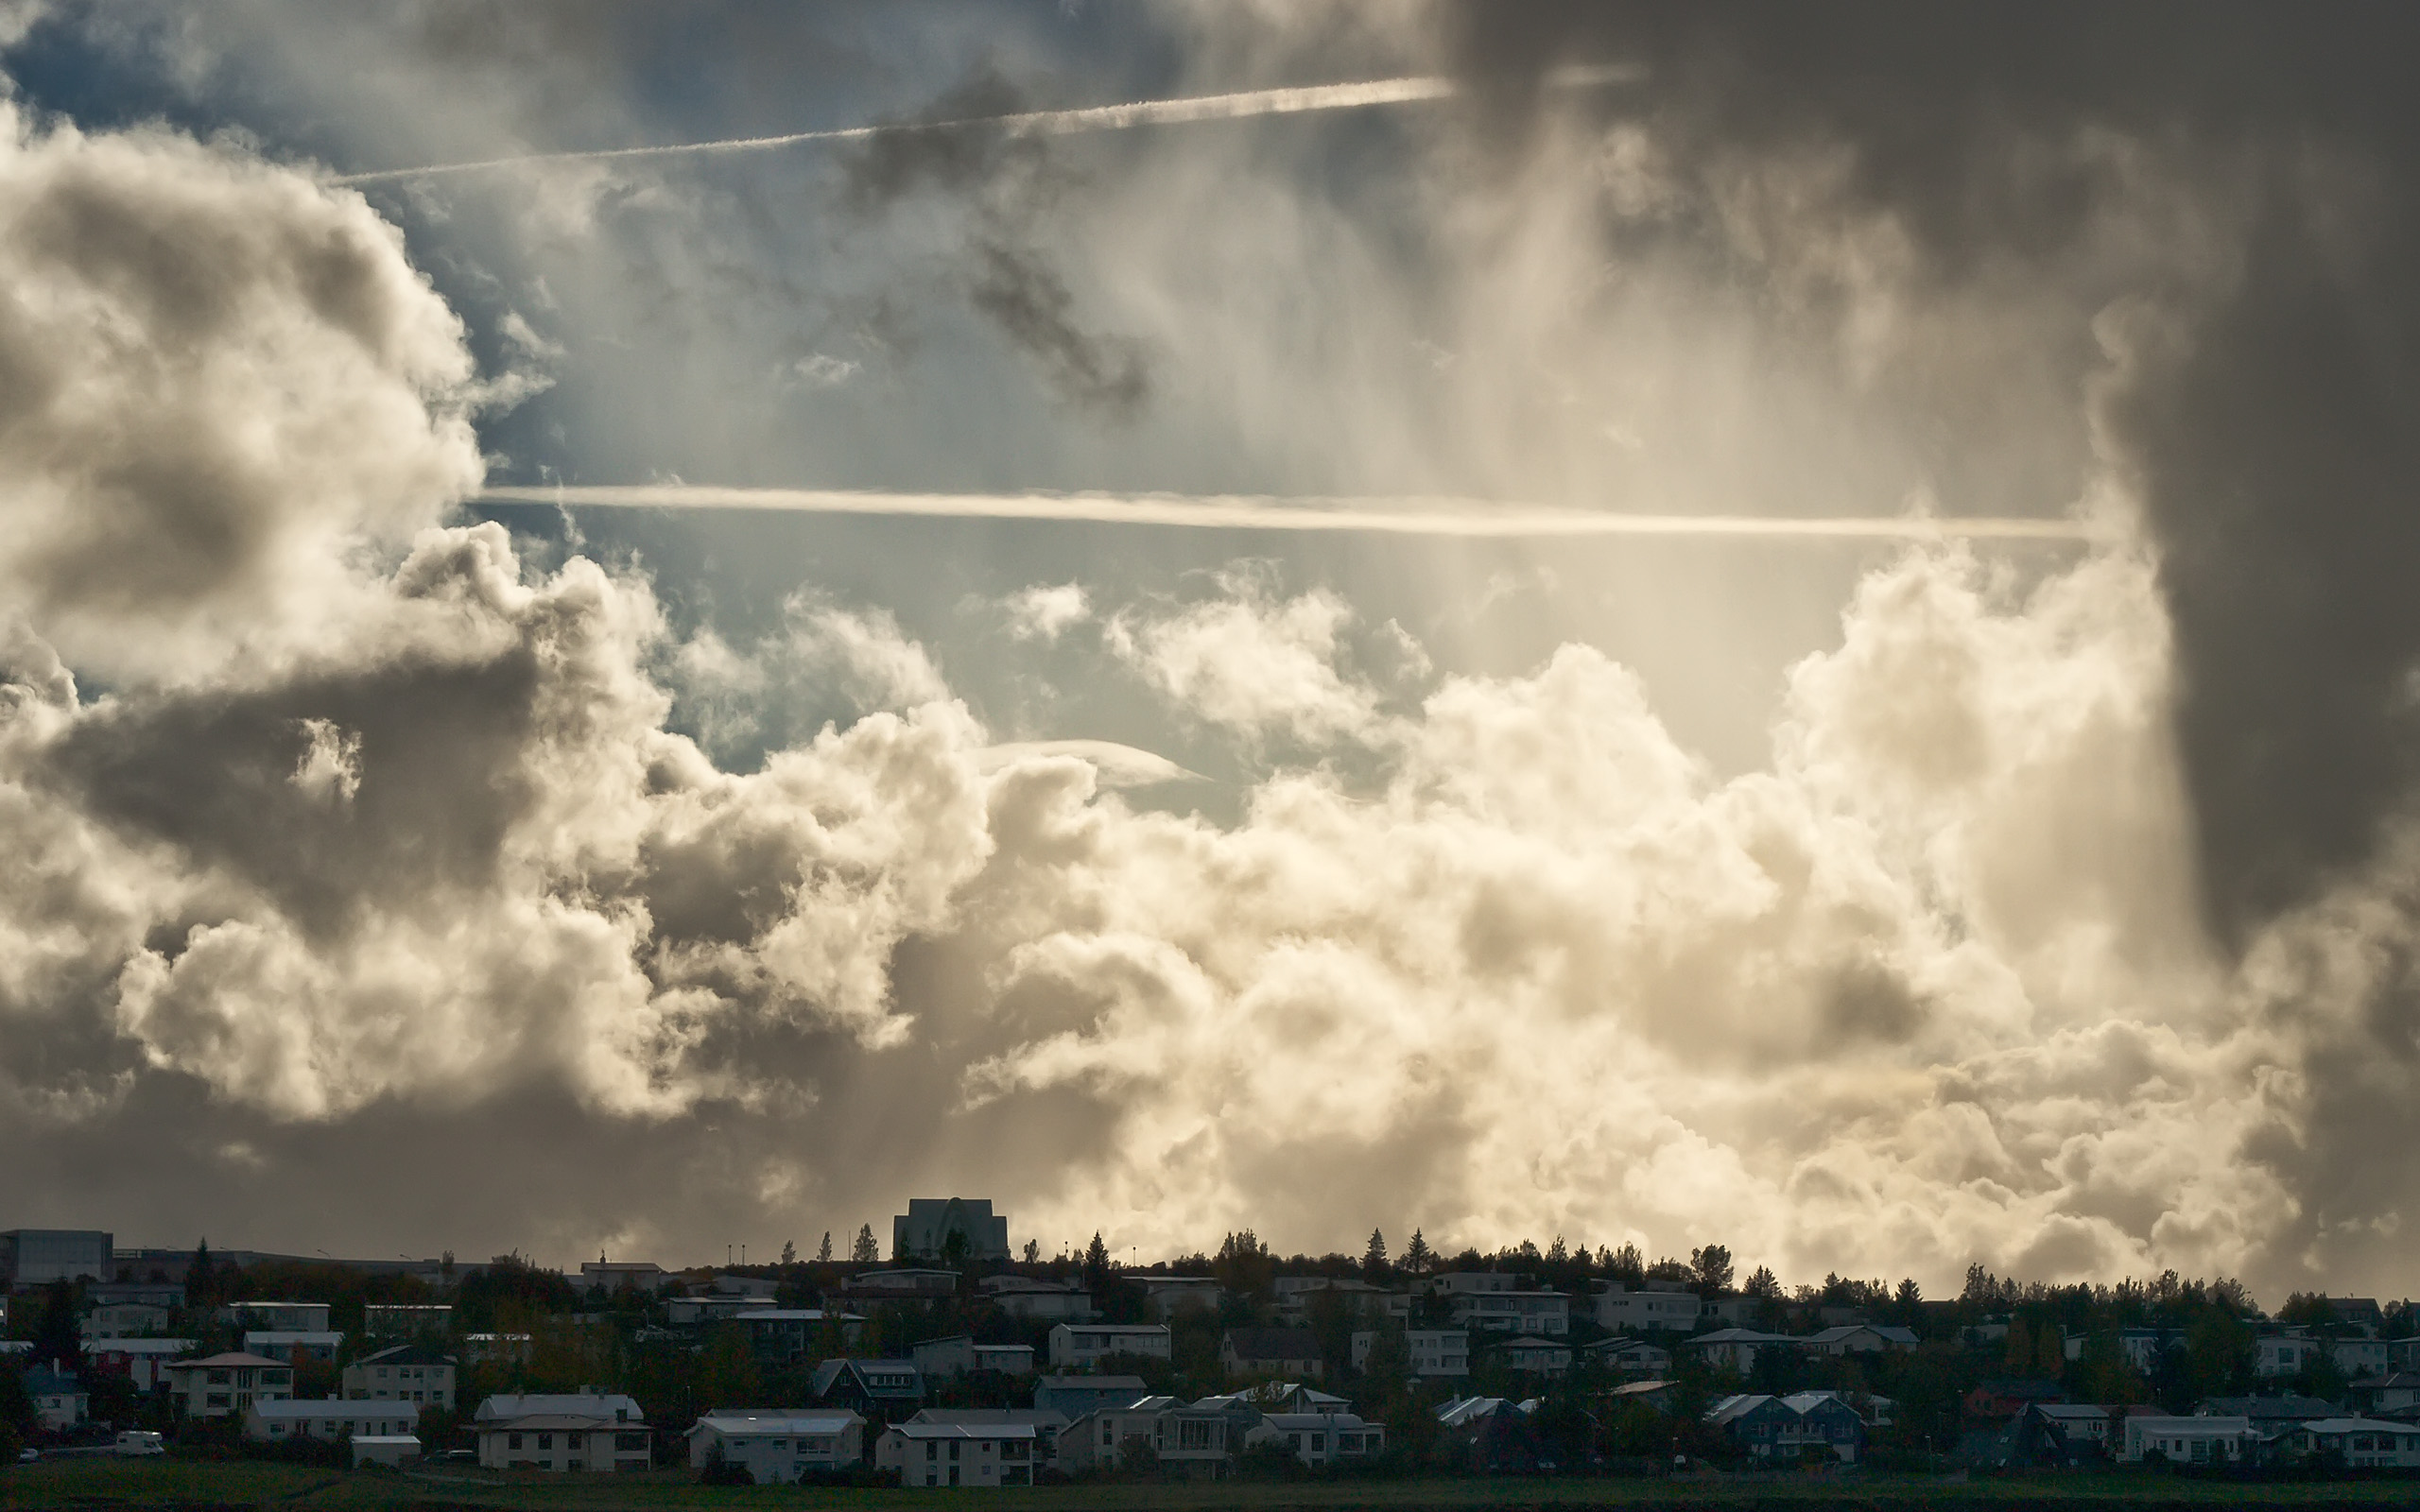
(95, 1484)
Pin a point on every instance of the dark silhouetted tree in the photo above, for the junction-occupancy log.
(1097, 1265)
(824, 1256)
(1417, 1256)
(865, 1251)
(1373, 1260)
(1711, 1268)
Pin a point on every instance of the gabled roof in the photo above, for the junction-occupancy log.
(1038, 1417)
(1740, 1336)
(405, 1354)
(233, 1360)
(2266, 1409)
(914, 1430)
(1888, 1331)
(1299, 1421)
(607, 1406)
(1273, 1344)
(551, 1422)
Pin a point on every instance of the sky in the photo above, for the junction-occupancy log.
(1979, 826)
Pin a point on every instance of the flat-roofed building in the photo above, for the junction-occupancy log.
(934, 1226)
(226, 1385)
(959, 1454)
(403, 1372)
(37, 1257)
(273, 1422)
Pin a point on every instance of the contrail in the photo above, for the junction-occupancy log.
(1469, 517)
(1233, 107)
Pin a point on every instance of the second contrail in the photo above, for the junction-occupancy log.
(1466, 518)
(1238, 105)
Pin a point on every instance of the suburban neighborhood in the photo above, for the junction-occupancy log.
(957, 1360)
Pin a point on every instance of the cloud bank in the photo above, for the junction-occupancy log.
(355, 845)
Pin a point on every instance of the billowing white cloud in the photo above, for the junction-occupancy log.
(1253, 665)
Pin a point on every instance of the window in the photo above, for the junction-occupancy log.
(546, 1440)
(516, 1442)
(571, 1440)
(953, 1449)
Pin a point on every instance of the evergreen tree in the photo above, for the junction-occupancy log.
(866, 1252)
(1033, 1251)
(1373, 1260)
(1097, 1265)
(824, 1256)
(1712, 1268)
(200, 1279)
(789, 1253)
(1417, 1256)
(1627, 1265)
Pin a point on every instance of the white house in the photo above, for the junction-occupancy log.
(959, 1454)
(1670, 1308)
(1504, 1310)
(298, 1345)
(2363, 1443)
(778, 1447)
(123, 1320)
(1435, 1353)
(1630, 1357)
(2283, 1354)
(1537, 1357)
(404, 1320)
(1738, 1347)
(573, 1431)
(1321, 1438)
(403, 1372)
(140, 1359)
(1022, 1296)
(2358, 1358)
(1167, 1295)
(1858, 1338)
(222, 1385)
(639, 1275)
(1084, 1346)
(2187, 1440)
(276, 1421)
(290, 1318)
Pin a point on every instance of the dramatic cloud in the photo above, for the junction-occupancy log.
(2064, 919)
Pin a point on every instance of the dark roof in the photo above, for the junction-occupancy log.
(405, 1354)
(1273, 1344)
(2269, 1409)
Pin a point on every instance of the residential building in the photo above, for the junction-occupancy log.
(1076, 1396)
(2268, 1413)
(404, 1320)
(2356, 1358)
(901, 1283)
(223, 1385)
(2385, 1393)
(2403, 1354)
(283, 1317)
(1507, 1311)
(2187, 1440)
(1789, 1427)
(1322, 1437)
(478, 1349)
(613, 1276)
(1538, 1357)
(123, 1320)
(59, 1400)
(1022, 1296)
(1630, 1357)
(786, 1335)
(2283, 1354)
(1858, 1338)
(1297, 1295)
(959, 1455)
(1007, 1359)
(37, 1257)
(1662, 1309)
(2361, 1313)
(685, 1312)
(2079, 1423)
(1165, 1296)
(2360, 1443)
(295, 1345)
(1105, 1437)
(403, 1372)
(141, 1293)
(777, 1447)
(2143, 1346)
(274, 1422)
(140, 1359)
(1047, 1422)
(1434, 1352)
(1271, 1352)
(1738, 1347)
(942, 1359)
(877, 1390)
(1084, 1346)
(1491, 1435)
(563, 1431)
(934, 1226)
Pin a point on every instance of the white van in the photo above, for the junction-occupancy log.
(139, 1442)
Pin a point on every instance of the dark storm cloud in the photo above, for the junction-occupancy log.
(2277, 439)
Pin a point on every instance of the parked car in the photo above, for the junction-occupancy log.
(139, 1443)
(27, 1456)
